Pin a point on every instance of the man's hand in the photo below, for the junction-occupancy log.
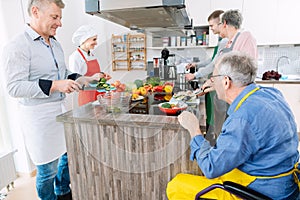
(190, 122)
(207, 86)
(65, 86)
(107, 76)
(189, 76)
(85, 80)
(190, 65)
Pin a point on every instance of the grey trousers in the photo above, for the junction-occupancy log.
(220, 115)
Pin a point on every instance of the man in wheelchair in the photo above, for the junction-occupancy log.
(257, 147)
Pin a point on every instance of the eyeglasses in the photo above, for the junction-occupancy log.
(213, 76)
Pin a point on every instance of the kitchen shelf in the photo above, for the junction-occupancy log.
(141, 60)
(129, 49)
(120, 42)
(181, 47)
(120, 60)
(202, 37)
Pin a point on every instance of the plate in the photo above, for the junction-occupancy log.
(93, 84)
(104, 90)
(138, 99)
(173, 111)
(184, 96)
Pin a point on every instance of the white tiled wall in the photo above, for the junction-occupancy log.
(268, 56)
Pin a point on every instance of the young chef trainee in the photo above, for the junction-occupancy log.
(35, 73)
(83, 61)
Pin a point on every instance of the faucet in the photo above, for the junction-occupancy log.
(280, 58)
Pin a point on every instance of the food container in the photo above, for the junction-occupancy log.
(175, 110)
(115, 102)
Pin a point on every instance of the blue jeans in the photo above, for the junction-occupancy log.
(53, 179)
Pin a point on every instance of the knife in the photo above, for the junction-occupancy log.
(201, 92)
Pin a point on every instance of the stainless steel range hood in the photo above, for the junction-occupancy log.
(160, 17)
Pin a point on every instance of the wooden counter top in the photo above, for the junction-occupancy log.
(124, 156)
(96, 114)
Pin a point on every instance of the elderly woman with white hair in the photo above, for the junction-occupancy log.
(83, 62)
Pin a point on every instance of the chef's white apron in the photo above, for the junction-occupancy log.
(44, 137)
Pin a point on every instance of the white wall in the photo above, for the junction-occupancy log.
(12, 23)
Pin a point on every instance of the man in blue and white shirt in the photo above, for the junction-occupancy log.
(35, 72)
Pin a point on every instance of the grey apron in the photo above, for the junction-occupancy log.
(220, 108)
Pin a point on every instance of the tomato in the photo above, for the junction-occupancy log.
(158, 88)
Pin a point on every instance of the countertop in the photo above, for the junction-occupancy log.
(96, 114)
(260, 81)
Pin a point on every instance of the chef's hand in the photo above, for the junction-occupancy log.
(107, 76)
(189, 76)
(95, 77)
(65, 86)
(104, 75)
(190, 122)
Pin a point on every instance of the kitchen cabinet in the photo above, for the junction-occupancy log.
(128, 52)
(291, 92)
(259, 19)
(287, 30)
(270, 21)
(124, 156)
(226, 5)
(199, 11)
(266, 84)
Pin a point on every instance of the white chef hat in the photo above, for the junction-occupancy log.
(82, 34)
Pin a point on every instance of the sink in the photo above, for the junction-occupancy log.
(290, 77)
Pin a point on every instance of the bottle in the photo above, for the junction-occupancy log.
(183, 41)
(199, 40)
(204, 38)
(207, 39)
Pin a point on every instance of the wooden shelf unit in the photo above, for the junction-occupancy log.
(129, 49)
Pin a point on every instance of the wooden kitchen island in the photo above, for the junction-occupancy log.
(124, 156)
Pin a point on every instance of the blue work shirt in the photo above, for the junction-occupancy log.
(260, 138)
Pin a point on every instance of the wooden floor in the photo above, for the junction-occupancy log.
(24, 188)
